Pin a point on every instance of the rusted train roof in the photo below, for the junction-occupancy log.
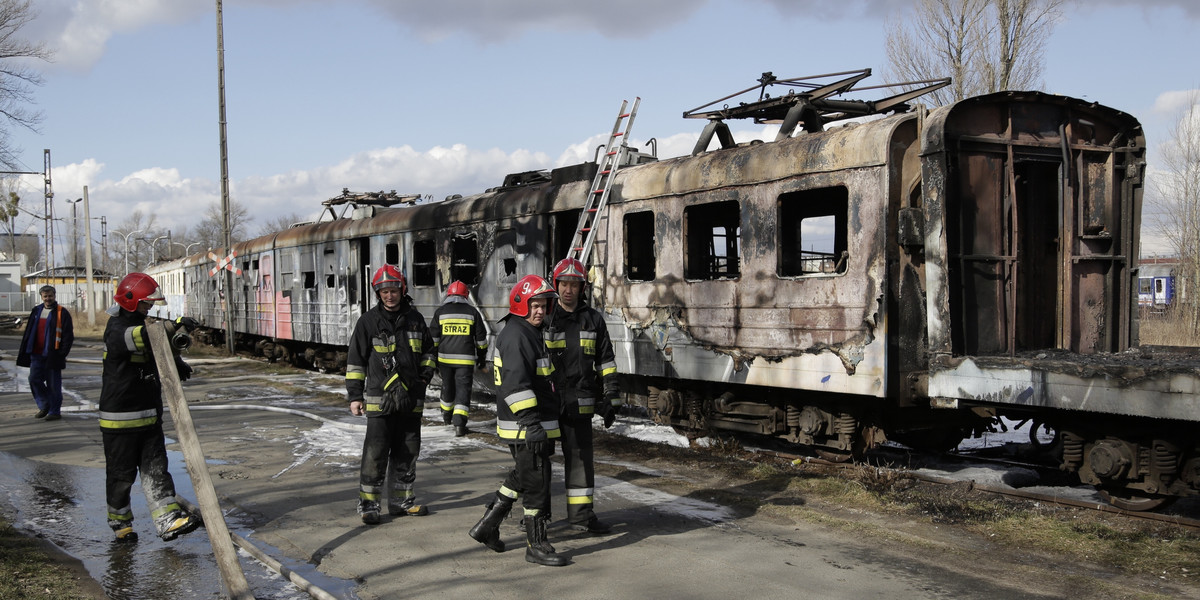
(1109, 126)
(852, 146)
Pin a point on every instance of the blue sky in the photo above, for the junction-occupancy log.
(446, 97)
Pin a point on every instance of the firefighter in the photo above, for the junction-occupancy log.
(388, 366)
(586, 377)
(131, 409)
(527, 410)
(460, 339)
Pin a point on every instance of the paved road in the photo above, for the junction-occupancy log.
(288, 483)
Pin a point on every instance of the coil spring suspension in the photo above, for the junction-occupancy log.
(1072, 450)
(1166, 460)
(793, 417)
(845, 423)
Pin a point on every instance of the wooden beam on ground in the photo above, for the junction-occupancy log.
(210, 508)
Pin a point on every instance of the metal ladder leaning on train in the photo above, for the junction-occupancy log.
(878, 271)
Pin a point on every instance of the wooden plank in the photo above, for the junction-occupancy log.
(214, 520)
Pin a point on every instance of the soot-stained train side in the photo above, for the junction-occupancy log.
(911, 277)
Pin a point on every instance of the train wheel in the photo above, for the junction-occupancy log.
(1135, 501)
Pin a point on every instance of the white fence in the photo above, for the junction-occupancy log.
(72, 296)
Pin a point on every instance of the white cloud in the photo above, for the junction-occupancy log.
(1174, 103)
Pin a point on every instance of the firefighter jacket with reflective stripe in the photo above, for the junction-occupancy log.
(585, 367)
(458, 333)
(522, 372)
(130, 394)
(385, 352)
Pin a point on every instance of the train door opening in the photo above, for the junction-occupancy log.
(1038, 312)
(1006, 268)
(357, 288)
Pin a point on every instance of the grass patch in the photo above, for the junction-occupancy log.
(28, 571)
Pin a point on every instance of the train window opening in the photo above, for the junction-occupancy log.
(254, 264)
(562, 228)
(330, 280)
(310, 280)
(506, 256)
(424, 263)
(813, 232)
(713, 240)
(640, 257)
(391, 253)
(464, 259)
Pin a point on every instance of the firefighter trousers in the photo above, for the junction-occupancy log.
(579, 469)
(390, 451)
(456, 391)
(529, 479)
(126, 455)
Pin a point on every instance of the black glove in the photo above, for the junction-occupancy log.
(185, 370)
(187, 323)
(609, 415)
(536, 440)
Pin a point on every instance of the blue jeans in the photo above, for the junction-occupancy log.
(46, 384)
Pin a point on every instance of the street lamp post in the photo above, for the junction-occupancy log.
(74, 233)
(153, 244)
(187, 248)
(127, 236)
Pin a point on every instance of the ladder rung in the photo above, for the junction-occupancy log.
(619, 134)
(592, 209)
(606, 171)
(611, 153)
(585, 230)
(624, 115)
(600, 191)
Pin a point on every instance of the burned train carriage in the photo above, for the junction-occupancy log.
(910, 277)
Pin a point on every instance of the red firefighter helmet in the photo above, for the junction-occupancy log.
(389, 276)
(457, 288)
(530, 287)
(569, 269)
(135, 288)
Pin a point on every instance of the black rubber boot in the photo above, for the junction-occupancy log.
(537, 549)
(487, 530)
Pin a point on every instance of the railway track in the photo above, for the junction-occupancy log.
(880, 460)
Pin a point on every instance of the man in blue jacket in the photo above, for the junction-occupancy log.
(44, 349)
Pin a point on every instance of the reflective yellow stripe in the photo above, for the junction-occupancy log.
(385, 349)
(544, 367)
(108, 424)
(392, 380)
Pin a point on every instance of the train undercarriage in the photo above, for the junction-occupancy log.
(1135, 464)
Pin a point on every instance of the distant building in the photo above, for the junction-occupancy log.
(71, 286)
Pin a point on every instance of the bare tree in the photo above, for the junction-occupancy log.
(280, 223)
(982, 45)
(16, 77)
(1177, 200)
(209, 232)
(128, 238)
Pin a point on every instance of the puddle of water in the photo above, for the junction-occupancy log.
(65, 505)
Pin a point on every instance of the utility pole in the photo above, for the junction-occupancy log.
(227, 274)
(91, 289)
(74, 232)
(49, 191)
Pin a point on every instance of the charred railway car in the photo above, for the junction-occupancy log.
(913, 277)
